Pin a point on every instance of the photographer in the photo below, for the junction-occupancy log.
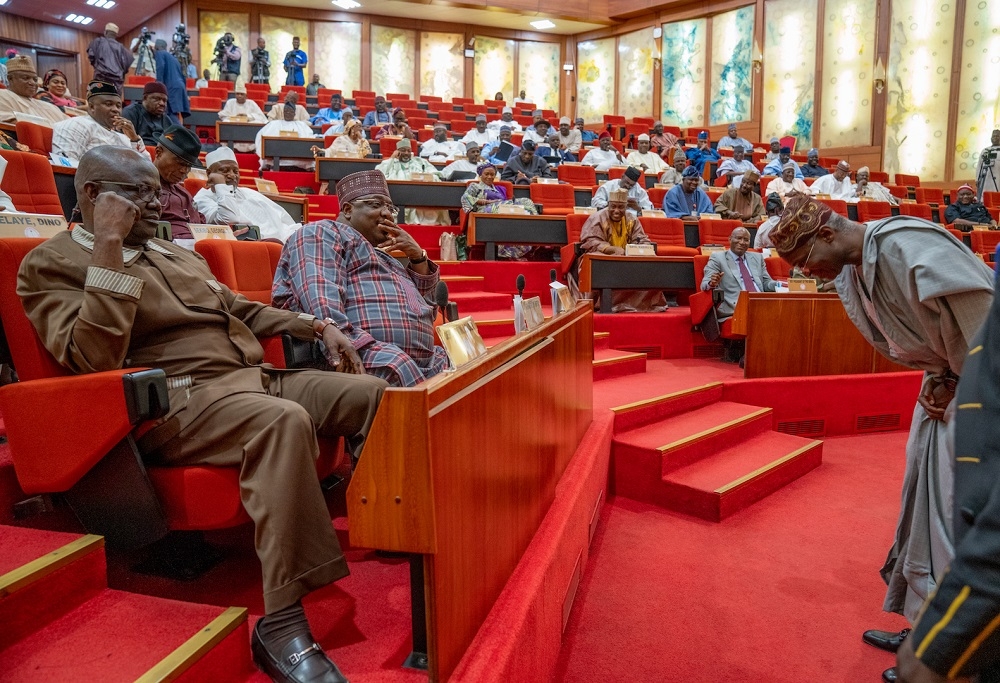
(181, 51)
(295, 60)
(110, 59)
(228, 56)
(144, 64)
(987, 167)
(260, 63)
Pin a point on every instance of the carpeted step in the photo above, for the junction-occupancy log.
(602, 341)
(648, 411)
(470, 302)
(613, 363)
(731, 479)
(464, 283)
(119, 636)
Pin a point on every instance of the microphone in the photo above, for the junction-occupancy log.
(520, 285)
(519, 325)
(552, 275)
(631, 140)
(441, 299)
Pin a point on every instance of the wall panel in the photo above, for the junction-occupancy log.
(595, 79)
(442, 64)
(213, 25)
(732, 66)
(394, 51)
(683, 73)
(979, 85)
(538, 77)
(278, 32)
(494, 69)
(848, 63)
(789, 70)
(635, 69)
(336, 55)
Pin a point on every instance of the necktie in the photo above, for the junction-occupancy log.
(745, 274)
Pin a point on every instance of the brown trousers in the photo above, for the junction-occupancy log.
(272, 438)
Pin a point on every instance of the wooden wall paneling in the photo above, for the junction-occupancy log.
(757, 103)
(955, 88)
(163, 24)
(707, 104)
(366, 54)
(567, 105)
(818, 80)
(40, 35)
(469, 83)
(882, 38)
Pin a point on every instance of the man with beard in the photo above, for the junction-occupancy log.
(176, 154)
(149, 115)
(103, 125)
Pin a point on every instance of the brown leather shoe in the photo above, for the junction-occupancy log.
(885, 640)
(301, 661)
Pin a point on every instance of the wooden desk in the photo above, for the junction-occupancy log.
(410, 193)
(280, 148)
(606, 273)
(490, 228)
(798, 335)
(201, 117)
(692, 238)
(333, 169)
(468, 481)
(228, 132)
(296, 206)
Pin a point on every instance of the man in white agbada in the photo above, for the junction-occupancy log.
(638, 198)
(440, 148)
(277, 113)
(735, 166)
(872, 190)
(239, 105)
(223, 202)
(506, 119)
(731, 140)
(991, 176)
(837, 184)
(274, 129)
(401, 165)
(481, 135)
(605, 156)
(918, 295)
(649, 162)
(787, 184)
(464, 165)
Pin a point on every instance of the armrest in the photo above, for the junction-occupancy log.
(567, 255)
(60, 427)
(701, 303)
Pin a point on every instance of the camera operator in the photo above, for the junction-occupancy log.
(228, 56)
(144, 64)
(987, 168)
(110, 59)
(260, 63)
(181, 51)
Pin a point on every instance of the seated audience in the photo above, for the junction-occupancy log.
(202, 82)
(538, 133)
(687, 198)
(399, 128)
(672, 176)
(55, 90)
(149, 115)
(553, 149)
(506, 119)
(740, 202)
(379, 115)
(604, 157)
(786, 184)
(351, 143)
(103, 125)
(586, 136)
(441, 148)
(650, 162)
(343, 271)
(401, 165)
(775, 166)
(223, 202)
(965, 211)
(490, 150)
(108, 296)
(313, 86)
(837, 184)
(238, 106)
(176, 154)
(20, 97)
(570, 139)
(870, 189)
(334, 114)
(525, 167)
(289, 126)
(663, 143)
(277, 110)
(480, 134)
(485, 196)
(702, 154)
(735, 166)
(774, 151)
(732, 140)
(466, 167)
(521, 97)
(638, 198)
(608, 231)
(773, 207)
(812, 169)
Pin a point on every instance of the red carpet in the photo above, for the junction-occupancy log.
(19, 546)
(778, 592)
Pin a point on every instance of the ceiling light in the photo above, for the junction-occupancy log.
(3, 2)
(91, 2)
(99, 3)
(543, 24)
(109, 4)
(86, 21)
(346, 4)
(79, 20)
(70, 17)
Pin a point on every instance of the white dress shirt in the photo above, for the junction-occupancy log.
(250, 109)
(837, 189)
(441, 151)
(601, 160)
(73, 137)
(653, 162)
(226, 205)
(481, 139)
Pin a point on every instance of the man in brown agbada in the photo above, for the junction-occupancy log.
(106, 295)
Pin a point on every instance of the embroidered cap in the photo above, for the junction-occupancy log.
(362, 184)
(618, 195)
(20, 63)
(800, 221)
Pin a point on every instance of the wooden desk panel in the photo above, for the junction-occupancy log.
(491, 228)
(605, 273)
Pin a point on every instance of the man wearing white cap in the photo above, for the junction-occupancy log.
(20, 98)
(645, 159)
(441, 149)
(775, 150)
(732, 140)
(288, 126)
(223, 201)
(570, 138)
(239, 106)
(110, 59)
(481, 135)
(506, 119)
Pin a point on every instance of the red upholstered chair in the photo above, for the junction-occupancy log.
(656, 196)
(930, 195)
(495, 104)
(907, 180)
(918, 210)
(355, 94)
(194, 185)
(838, 205)
(898, 191)
(577, 175)
(556, 199)
(666, 232)
(991, 200)
(228, 86)
(701, 302)
(877, 176)
(574, 224)
(809, 181)
(287, 181)
(644, 120)
(789, 141)
(138, 80)
(984, 242)
(777, 268)
(199, 103)
(873, 211)
(619, 146)
(716, 230)
(37, 138)
(323, 207)
(616, 172)
(691, 134)
(220, 93)
(955, 232)
(30, 183)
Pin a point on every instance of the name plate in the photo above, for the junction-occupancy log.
(823, 196)
(587, 210)
(211, 232)
(532, 310)
(266, 185)
(198, 174)
(658, 213)
(639, 250)
(422, 177)
(801, 285)
(979, 226)
(512, 209)
(546, 181)
(710, 215)
(340, 154)
(562, 298)
(708, 249)
(288, 133)
(461, 341)
(239, 118)
(30, 224)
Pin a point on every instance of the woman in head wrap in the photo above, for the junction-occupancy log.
(352, 142)
(399, 128)
(485, 196)
(55, 91)
(865, 188)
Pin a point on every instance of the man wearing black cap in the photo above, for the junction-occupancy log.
(103, 125)
(149, 116)
(775, 166)
(524, 168)
(638, 198)
(176, 153)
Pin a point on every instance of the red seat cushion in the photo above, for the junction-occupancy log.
(30, 183)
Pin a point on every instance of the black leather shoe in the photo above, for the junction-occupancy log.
(889, 675)
(885, 640)
(301, 661)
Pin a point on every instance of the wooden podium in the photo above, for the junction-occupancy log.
(795, 335)
(461, 470)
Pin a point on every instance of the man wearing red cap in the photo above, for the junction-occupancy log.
(965, 211)
(918, 295)
(149, 116)
(103, 125)
(605, 156)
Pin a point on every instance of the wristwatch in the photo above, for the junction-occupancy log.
(423, 257)
(326, 323)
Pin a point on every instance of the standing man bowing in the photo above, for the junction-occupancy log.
(111, 60)
(918, 296)
(294, 63)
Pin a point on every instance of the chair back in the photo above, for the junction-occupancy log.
(777, 268)
(789, 141)
(323, 207)
(205, 103)
(918, 210)
(700, 261)
(657, 195)
(929, 195)
(577, 175)
(984, 242)
(30, 357)
(287, 181)
(838, 205)
(716, 230)
(244, 267)
(666, 232)
(30, 183)
(873, 211)
(991, 200)
(898, 191)
(907, 180)
(555, 199)
(574, 226)
(194, 185)
(37, 138)
(220, 93)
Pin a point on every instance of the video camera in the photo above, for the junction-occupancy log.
(181, 38)
(145, 35)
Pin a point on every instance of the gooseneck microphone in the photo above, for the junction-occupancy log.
(552, 275)
(520, 286)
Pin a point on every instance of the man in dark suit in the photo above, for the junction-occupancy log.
(957, 634)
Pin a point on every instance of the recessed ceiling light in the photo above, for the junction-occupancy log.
(86, 20)
(3, 2)
(109, 4)
(347, 4)
(91, 2)
(70, 17)
(542, 24)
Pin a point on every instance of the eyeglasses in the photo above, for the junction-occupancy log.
(378, 205)
(142, 192)
(804, 266)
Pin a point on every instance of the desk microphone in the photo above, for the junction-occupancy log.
(519, 325)
(552, 275)
(441, 299)
(520, 285)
